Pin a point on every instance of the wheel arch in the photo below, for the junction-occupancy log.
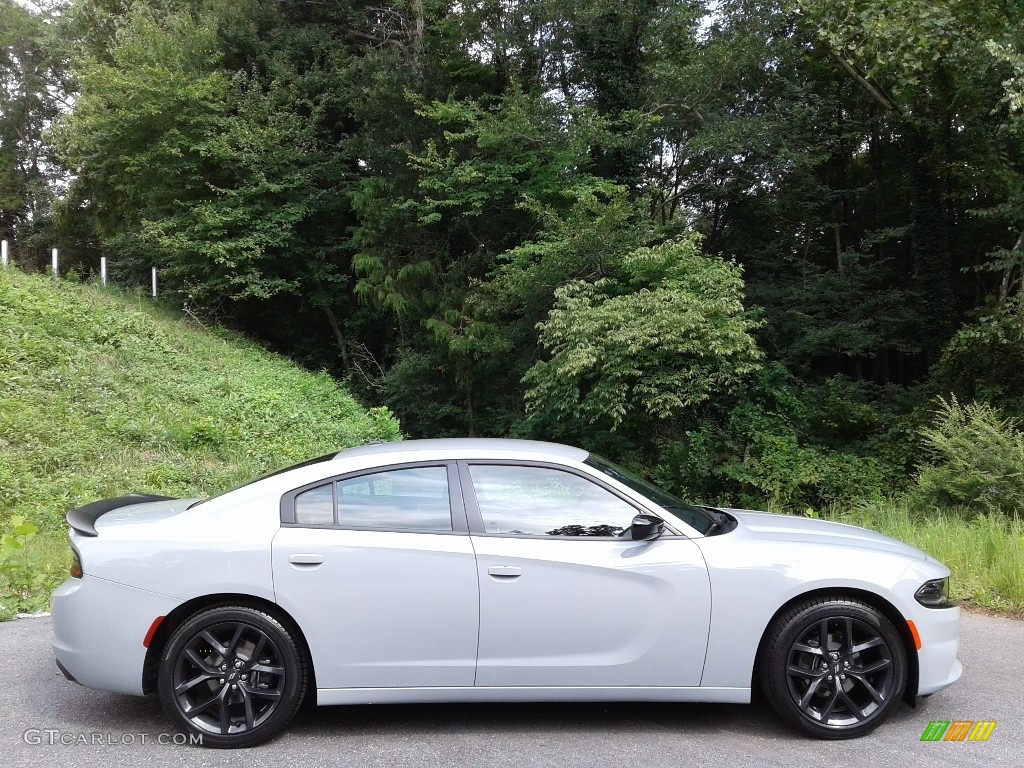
(873, 599)
(174, 619)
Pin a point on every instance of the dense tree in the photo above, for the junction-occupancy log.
(32, 93)
(644, 347)
(740, 243)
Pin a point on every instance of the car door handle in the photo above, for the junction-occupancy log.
(310, 560)
(509, 572)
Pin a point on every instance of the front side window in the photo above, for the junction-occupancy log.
(414, 499)
(539, 501)
(693, 516)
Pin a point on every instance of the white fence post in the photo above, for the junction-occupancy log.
(3, 253)
(103, 271)
(154, 282)
(53, 259)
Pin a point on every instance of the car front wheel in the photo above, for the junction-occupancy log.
(233, 675)
(834, 667)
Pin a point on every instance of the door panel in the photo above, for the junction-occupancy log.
(566, 598)
(382, 609)
(381, 605)
(592, 612)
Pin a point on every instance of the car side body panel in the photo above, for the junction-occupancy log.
(84, 612)
(528, 693)
(381, 609)
(579, 612)
(163, 548)
(788, 570)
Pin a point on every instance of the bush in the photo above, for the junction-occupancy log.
(984, 359)
(976, 459)
(665, 336)
(780, 446)
(25, 576)
(791, 476)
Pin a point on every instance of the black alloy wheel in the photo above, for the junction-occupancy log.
(834, 667)
(233, 675)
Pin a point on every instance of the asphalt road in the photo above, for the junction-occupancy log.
(35, 698)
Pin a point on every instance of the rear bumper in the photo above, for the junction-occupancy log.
(64, 671)
(98, 630)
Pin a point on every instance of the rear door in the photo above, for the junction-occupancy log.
(378, 569)
(566, 597)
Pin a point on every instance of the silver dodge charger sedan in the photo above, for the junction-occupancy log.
(469, 570)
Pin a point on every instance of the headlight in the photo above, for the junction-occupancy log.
(934, 594)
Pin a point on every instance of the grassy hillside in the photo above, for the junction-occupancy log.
(103, 393)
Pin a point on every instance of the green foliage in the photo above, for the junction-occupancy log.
(32, 75)
(583, 233)
(663, 336)
(976, 459)
(902, 40)
(779, 445)
(790, 476)
(496, 208)
(983, 360)
(148, 106)
(230, 164)
(25, 576)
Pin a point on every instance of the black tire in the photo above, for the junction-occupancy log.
(841, 691)
(233, 675)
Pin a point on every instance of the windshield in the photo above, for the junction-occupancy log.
(693, 516)
(306, 463)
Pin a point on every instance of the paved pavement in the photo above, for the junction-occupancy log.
(34, 695)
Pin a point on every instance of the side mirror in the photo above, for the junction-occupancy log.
(646, 527)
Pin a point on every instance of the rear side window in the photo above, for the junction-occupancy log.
(315, 507)
(413, 499)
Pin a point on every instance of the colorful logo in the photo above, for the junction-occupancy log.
(958, 730)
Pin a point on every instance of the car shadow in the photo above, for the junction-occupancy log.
(548, 718)
(87, 709)
(634, 718)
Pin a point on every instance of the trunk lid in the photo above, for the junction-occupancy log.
(133, 508)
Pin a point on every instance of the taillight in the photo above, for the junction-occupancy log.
(76, 563)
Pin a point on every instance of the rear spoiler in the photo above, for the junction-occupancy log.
(83, 519)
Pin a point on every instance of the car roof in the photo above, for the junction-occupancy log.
(468, 448)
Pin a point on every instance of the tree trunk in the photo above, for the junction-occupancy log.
(342, 344)
(930, 255)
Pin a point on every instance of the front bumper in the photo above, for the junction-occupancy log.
(98, 630)
(938, 666)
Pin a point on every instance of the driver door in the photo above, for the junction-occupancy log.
(567, 598)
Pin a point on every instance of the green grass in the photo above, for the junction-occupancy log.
(104, 393)
(984, 552)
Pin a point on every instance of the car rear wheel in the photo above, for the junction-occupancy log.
(233, 675)
(834, 667)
